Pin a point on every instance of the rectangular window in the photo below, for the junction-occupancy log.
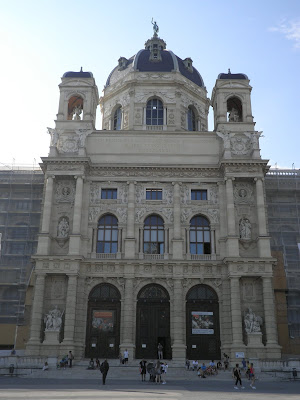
(197, 194)
(108, 194)
(153, 194)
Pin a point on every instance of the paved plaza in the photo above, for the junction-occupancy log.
(125, 383)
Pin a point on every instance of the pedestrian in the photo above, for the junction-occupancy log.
(97, 363)
(126, 355)
(70, 359)
(226, 361)
(187, 364)
(104, 367)
(158, 372)
(252, 376)
(236, 374)
(160, 351)
(143, 369)
(248, 370)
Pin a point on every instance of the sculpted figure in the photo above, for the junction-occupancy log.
(63, 228)
(155, 27)
(252, 322)
(226, 139)
(54, 136)
(76, 113)
(233, 115)
(245, 229)
(53, 320)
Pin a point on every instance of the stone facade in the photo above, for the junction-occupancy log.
(107, 297)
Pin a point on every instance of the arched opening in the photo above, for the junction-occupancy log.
(75, 108)
(153, 322)
(200, 238)
(234, 110)
(154, 112)
(107, 236)
(191, 119)
(117, 120)
(202, 323)
(103, 322)
(154, 235)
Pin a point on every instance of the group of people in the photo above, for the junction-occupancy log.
(66, 360)
(157, 371)
(249, 373)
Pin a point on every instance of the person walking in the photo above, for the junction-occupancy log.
(236, 374)
(252, 376)
(143, 369)
(104, 367)
(126, 355)
(70, 359)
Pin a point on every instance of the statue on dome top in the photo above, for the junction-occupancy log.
(155, 27)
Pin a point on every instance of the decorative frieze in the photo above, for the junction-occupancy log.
(65, 191)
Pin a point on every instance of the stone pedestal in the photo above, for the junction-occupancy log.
(51, 337)
(255, 347)
(255, 339)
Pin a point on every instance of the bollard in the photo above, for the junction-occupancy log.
(11, 369)
(295, 373)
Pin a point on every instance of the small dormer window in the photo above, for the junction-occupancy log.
(188, 63)
(122, 63)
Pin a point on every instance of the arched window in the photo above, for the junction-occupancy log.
(107, 238)
(154, 235)
(191, 119)
(75, 108)
(154, 112)
(200, 235)
(117, 119)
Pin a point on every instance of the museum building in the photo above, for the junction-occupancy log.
(154, 229)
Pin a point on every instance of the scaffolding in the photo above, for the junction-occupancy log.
(283, 201)
(21, 191)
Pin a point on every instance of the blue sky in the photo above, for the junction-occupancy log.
(40, 40)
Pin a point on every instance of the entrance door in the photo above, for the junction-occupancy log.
(153, 322)
(203, 332)
(103, 322)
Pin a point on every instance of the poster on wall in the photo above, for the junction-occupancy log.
(202, 323)
(103, 320)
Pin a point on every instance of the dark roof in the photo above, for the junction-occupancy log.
(232, 76)
(192, 76)
(165, 65)
(80, 74)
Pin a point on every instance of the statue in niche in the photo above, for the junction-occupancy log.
(245, 229)
(252, 322)
(53, 320)
(63, 228)
(233, 115)
(76, 113)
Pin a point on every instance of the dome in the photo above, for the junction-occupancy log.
(80, 74)
(232, 76)
(155, 58)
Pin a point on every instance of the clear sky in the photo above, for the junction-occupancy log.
(40, 40)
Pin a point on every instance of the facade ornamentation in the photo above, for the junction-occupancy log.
(68, 144)
(243, 193)
(240, 145)
(214, 194)
(63, 228)
(53, 320)
(65, 191)
(245, 229)
(252, 322)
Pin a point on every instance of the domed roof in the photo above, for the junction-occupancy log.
(229, 75)
(80, 74)
(166, 61)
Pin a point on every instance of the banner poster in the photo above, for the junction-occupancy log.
(103, 320)
(202, 323)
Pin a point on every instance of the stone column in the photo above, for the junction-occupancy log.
(236, 315)
(130, 237)
(127, 341)
(37, 310)
(74, 247)
(47, 205)
(212, 241)
(178, 317)
(70, 313)
(44, 239)
(269, 309)
(264, 241)
(232, 240)
(177, 240)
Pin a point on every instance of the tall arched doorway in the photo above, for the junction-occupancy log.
(103, 322)
(153, 322)
(202, 325)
